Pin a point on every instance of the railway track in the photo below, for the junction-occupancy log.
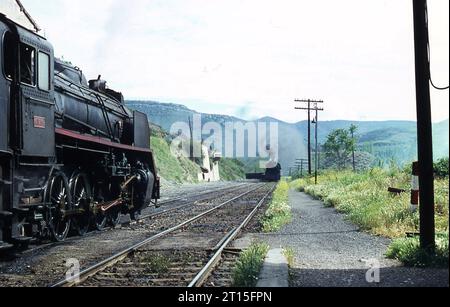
(183, 202)
(164, 263)
(205, 273)
(173, 205)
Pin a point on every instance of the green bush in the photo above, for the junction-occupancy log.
(279, 212)
(408, 251)
(365, 199)
(248, 267)
(441, 168)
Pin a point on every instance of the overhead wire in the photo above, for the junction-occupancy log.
(429, 54)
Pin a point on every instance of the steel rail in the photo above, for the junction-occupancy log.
(205, 194)
(96, 268)
(203, 275)
(186, 203)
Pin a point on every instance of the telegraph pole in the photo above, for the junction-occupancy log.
(300, 164)
(424, 126)
(353, 130)
(353, 153)
(316, 160)
(318, 156)
(309, 109)
(191, 145)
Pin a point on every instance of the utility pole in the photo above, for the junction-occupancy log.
(300, 164)
(353, 153)
(424, 126)
(316, 160)
(309, 109)
(191, 145)
(299, 169)
(353, 129)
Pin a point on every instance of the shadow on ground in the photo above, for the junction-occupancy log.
(388, 277)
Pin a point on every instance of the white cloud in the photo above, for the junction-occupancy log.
(357, 55)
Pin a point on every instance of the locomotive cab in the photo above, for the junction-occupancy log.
(26, 123)
(27, 85)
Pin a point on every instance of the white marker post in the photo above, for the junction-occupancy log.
(415, 189)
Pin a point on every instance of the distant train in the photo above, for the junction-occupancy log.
(270, 175)
(72, 155)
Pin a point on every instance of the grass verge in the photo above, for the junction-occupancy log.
(408, 251)
(290, 256)
(365, 200)
(248, 267)
(279, 212)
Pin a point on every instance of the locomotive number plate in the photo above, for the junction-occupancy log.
(39, 122)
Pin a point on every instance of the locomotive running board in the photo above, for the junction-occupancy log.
(98, 140)
(5, 246)
(5, 182)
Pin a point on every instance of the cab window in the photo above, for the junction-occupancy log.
(27, 65)
(8, 53)
(44, 71)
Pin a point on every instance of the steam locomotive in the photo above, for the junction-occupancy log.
(270, 175)
(72, 156)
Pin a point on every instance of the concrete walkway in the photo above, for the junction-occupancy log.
(275, 272)
(332, 252)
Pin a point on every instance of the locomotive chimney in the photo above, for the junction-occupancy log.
(98, 85)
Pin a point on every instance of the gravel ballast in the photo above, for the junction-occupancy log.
(47, 264)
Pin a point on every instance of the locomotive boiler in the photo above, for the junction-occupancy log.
(72, 156)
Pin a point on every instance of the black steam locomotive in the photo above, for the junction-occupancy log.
(72, 156)
(270, 175)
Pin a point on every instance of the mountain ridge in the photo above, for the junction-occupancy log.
(183, 107)
(385, 140)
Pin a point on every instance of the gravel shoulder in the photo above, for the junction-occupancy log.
(332, 252)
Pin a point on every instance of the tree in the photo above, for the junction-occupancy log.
(339, 146)
(441, 168)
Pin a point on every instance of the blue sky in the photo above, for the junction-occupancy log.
(252, 58)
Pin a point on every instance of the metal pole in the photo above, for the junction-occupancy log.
(424, 126)
(317, 155)
(309, 101)
(191, 145)
(309, 139)
(318, 160)
(353, 152)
